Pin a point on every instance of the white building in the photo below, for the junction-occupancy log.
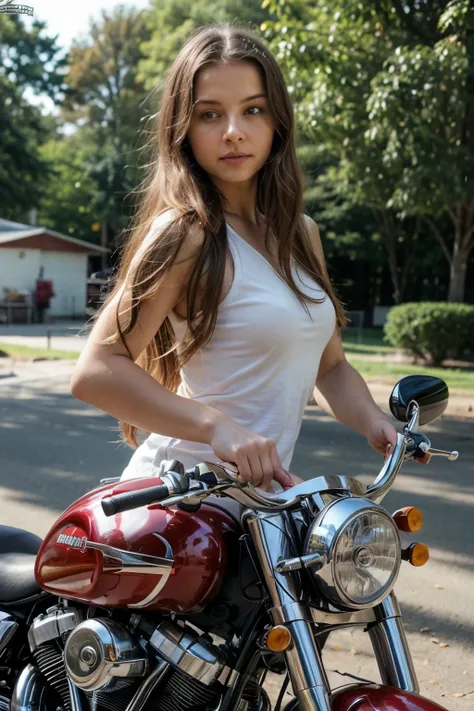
(24, 250)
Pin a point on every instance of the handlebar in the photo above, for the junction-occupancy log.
(134, 499)
(189, 488)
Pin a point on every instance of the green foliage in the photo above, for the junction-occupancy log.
(29, 59)
(106, 100)
(66, 202)
(388, 89)
(431, 330)
(172, 21)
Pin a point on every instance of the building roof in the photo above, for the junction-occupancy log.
(13, 232)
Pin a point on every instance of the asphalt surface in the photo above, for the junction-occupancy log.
(57, 335)
(54, 448)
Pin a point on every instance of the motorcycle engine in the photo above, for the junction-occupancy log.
(106, 661)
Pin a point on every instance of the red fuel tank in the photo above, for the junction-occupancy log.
(381, 698)
(149, 558)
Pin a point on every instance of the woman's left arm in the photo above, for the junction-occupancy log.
(342, 392)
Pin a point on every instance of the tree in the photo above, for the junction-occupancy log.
(397, 113)
(66, 203)
(422, 116)
(107, 96)
(172, 21)
(28, 59)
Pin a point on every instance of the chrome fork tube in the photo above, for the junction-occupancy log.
(391, 649)
(273, 542)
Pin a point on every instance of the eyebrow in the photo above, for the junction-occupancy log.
(213, 101)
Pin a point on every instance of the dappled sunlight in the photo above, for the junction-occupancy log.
(411, 484)
(94, 413)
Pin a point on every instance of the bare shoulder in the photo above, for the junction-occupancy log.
(190, 245)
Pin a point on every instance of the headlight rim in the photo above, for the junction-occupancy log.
(340, 599)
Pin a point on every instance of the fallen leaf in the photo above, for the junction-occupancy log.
(353, 651)
(435, 640)
(336, 647)
(444, 644)
(432, 681)
(425, 661)
(425, 629)
(439, 587)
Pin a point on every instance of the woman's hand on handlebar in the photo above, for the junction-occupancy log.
(256, 457)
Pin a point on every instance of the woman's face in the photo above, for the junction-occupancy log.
(224, 119)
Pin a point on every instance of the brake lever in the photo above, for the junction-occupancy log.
(419, 445)
(452, 456)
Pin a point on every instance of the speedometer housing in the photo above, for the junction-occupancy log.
(360, 550)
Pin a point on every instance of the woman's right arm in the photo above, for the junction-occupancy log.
(107, 377)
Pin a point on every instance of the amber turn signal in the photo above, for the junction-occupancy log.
(278, 639)
(417, 554)
(408, 519)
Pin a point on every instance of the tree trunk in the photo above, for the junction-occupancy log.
(457, 272)
(390, 229)
(463, 222)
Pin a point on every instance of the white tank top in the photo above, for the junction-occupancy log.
(260, 365)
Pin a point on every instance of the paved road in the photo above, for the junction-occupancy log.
(58, 335)
(54, 448)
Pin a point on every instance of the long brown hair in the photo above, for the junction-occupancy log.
(175, 180)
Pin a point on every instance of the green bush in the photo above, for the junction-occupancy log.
(432, 330)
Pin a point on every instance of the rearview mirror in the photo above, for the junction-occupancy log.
(431, 395)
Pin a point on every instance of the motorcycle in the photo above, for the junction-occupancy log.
(184, 594)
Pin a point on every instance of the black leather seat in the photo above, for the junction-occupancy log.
(18, 551)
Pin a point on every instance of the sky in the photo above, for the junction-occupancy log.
(68, 19)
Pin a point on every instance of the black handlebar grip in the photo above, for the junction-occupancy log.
(134, 499)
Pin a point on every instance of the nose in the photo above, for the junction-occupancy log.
(233, 130)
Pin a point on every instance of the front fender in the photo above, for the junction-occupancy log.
(373, 697)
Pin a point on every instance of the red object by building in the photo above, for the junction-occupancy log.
(44, 292)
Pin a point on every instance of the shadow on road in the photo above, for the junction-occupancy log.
(54, 448)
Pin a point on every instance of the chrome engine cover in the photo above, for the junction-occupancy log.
(55, 623)
(184, 649)
(98, 651)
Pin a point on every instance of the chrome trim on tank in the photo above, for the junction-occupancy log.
(119, 561)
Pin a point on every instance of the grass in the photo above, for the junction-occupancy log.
(12, 350)
(372, 341)
(456, 378)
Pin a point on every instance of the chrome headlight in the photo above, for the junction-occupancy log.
(360, 550)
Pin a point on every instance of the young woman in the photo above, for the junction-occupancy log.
(223, 318)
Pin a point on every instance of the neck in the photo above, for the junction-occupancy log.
(254, 219)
